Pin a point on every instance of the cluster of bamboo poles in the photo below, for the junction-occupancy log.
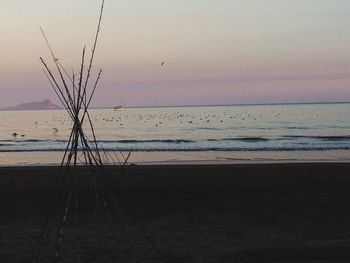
(75, 95)
(75, 92)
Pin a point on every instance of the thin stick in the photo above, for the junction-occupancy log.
(94, 47)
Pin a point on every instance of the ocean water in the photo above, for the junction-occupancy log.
(257, 132)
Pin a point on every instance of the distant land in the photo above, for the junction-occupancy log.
(225, 105)
(49, 105)
(37, 105)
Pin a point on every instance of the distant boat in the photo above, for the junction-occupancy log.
(119, 107)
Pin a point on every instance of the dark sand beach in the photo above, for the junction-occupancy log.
(215, 213)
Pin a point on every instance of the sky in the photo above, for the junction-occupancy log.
(215, 52)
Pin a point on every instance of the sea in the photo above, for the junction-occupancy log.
(204, 134)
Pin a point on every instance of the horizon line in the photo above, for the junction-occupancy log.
(233, 104)
(199, 105)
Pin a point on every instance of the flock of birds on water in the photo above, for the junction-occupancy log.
(170, 119)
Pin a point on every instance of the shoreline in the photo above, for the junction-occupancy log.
(204, 163)
(13, 159)
(201, 163)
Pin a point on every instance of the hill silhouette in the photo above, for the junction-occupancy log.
(38, 105)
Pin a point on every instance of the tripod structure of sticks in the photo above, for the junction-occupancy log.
(75, 91)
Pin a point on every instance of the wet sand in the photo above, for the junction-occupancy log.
(188, 213)
(53, 158)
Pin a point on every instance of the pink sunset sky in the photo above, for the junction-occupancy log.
(215, 52)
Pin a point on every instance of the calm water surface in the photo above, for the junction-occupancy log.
(295, 132)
